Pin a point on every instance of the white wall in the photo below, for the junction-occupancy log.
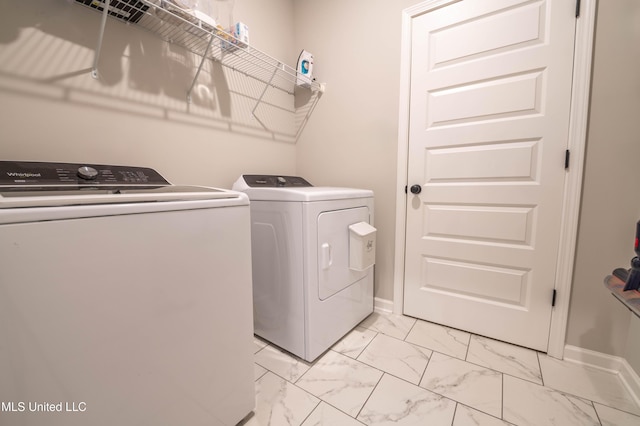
(611, 199)
(352, 137)
(51, 109)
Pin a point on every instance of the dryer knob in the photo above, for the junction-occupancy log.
(281, 181)
(87, 173)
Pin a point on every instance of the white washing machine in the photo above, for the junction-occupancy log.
(313, 250)
(124, 300)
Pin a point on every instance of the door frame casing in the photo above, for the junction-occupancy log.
(578, 120)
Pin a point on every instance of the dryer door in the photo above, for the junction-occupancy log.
(334, 273)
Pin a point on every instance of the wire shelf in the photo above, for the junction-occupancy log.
(212, 43)
(172, 24)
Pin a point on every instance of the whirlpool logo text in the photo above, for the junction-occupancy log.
(23, 175)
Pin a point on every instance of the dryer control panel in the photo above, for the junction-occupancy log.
(274, 181)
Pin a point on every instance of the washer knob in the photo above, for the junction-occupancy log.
(87, 173)
(281, 181)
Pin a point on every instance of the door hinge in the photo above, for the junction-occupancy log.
(567, 154)
(577, 8)
(553, 298)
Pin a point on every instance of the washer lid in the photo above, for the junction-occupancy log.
(60, 196)
(272, 192)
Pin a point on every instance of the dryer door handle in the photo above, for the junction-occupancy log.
(326, 256)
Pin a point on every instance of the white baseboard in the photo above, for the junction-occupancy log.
(609, 363)
(382, 306)
(631, 380)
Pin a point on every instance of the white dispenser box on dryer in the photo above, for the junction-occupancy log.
(307, 295)
(362, 246)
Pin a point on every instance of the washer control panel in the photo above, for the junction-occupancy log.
(274, 181)
(28, 173)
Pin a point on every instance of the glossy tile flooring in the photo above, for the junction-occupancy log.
(396, 370)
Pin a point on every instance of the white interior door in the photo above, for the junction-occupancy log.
(489, 121)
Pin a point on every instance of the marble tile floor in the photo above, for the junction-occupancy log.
(396, 370)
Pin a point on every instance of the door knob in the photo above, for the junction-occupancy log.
(416, 189)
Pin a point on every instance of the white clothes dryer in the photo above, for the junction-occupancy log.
(308, 290)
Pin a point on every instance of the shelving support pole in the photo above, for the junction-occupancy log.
(103, 24)
(253, 111)
(204, 57)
